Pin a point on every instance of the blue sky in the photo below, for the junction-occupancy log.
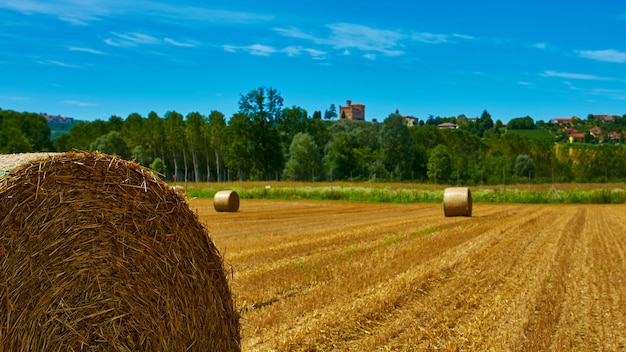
(91, 59)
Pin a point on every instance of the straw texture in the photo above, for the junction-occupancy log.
(98, 254)
(457, 201)
(226, 201)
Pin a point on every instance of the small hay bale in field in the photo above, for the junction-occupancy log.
(226, 201)
(457, 201)
(98, 254)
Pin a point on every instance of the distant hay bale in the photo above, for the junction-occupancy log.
(226, 201)
(457, 201)
(179, 189)
(98, 254)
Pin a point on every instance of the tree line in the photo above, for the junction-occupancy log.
(266, 141)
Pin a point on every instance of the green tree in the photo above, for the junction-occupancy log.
(217, 138)
(439, 164)
(339, 159)
(82, 135)
(154, 131)
(396, 146)
(239, 155)
(13, 140)
(158, 165)
(304, 160)
(175, 138)
(194, 127)
(141, 157)
(522, 123)
(524, 165)
(331, 113)
(263, 106)
(133, 131)
(111, 143)
(291, 122)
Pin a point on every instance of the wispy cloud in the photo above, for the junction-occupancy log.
(346, 36)
(615, 94)
(78, 103)
(439, 38)
(609, 55)
(86, 50)
(203, 14)
(56, 63)
(13, 97)
(539, 46)
(255, 49)
(81, 12)
(181, 44)
(298, 50)
(130, 39)
(74, 11)
(430, 38)
(582, 76)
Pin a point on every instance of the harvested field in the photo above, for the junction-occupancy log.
(320, 276)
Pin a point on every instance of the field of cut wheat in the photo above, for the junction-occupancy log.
(349, 276)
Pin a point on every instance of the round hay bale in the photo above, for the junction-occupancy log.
(226, 201)
(457, 201)
(98, 254)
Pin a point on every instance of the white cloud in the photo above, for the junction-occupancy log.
(609, 55)
(230, 48)
(569, 75)
(13, 97)
(464, 36)
(611, 93)
(430, 38)
(78, 103)
(181, 44)
(347, 35)
(353, 36)
(297, 33)
(540, 46)
(255, 49)
(86, 50)
(524, 83)
(370, 56)
(297, 50)
(56, 63)
(130, 39)
(82, 12)
(439, 38)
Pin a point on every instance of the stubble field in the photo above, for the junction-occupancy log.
(321, 276)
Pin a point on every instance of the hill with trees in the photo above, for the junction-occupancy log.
(266, 141)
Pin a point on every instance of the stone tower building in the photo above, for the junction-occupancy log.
(352, 111)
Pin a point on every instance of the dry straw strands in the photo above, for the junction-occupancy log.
(226, 201)
(98, 254)
(457, 201)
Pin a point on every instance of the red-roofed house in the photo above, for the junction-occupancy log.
(561, 120)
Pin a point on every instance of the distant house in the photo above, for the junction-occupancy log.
(408, 120)
(447, 126)
(614, 136)
(352, 111)
(576, 137)
(596, 132)
(562, 120)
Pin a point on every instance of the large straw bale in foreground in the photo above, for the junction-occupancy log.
(98, 254)
(457, 201)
